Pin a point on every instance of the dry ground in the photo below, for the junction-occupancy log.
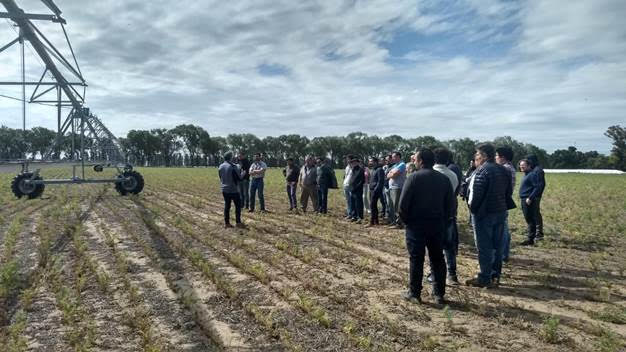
(86, 269)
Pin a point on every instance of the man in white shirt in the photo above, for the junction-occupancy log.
(396, 176)
(451, 242)
(257, 174)
(346, 186)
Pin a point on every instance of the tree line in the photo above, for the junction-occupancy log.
(191, 145)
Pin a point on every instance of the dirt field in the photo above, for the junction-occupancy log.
(86, 269)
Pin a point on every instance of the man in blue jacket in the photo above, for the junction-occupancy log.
(488, 193)
(530, 191)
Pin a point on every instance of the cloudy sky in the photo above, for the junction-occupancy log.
(548, 72)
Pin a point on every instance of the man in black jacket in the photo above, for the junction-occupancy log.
(377, 183)
(530, 192)
(357, 180)
(488, 193)
(324, 182)
(291, 173)
(244, 185)
(426, 205)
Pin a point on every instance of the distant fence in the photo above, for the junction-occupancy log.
(583, 171)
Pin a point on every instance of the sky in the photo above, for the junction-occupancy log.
(547, 72)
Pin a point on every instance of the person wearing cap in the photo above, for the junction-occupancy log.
(357, 179)
(230, 176)
(530, 191)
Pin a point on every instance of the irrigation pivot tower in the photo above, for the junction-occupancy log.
(85, 126)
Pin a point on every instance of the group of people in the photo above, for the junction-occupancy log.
(421, 198)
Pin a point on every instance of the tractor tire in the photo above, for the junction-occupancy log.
(133, 185)
(20, 188)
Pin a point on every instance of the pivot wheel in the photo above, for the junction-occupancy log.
(21, 187)
(132, 182)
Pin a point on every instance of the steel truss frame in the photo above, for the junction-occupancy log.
(103, 145)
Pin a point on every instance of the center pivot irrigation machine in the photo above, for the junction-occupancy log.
(84, 126)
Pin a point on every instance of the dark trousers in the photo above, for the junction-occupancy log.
(451, 247)
(322, 198)
(532, 214)
(291, 194)
(235, 198)
(356, 201)
(375, 197)
(244, 192)
(418, 238)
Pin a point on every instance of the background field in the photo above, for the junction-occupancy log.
(86, 269)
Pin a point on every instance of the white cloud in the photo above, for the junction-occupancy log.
(547, 72)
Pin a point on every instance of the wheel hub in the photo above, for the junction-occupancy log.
(26, 187)
(129, 184)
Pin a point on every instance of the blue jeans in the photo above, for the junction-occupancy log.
(346, 193)
(391, 210)
(506, 243)
(257, 184)
(322, 198)
(489, 235)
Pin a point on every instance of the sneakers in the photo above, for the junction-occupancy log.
(412, 298)
(476, 283)
(528, 242)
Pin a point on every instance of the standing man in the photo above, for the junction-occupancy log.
(346, 186)
(244, 185)
(426, 205)
(308, 183)
(357, 179)
(489, 190)
(504, 155)
(377, 183)
(291, 173)
(324, 181)
(257, 173)
(530, 191)
(396, 176)
(451, 243)
(230, 176)
(366, 187)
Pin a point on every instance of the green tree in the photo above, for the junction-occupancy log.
(618, 153)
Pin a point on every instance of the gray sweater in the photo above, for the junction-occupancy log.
(229, 177)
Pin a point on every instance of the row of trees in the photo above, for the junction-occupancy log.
(190, 145)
